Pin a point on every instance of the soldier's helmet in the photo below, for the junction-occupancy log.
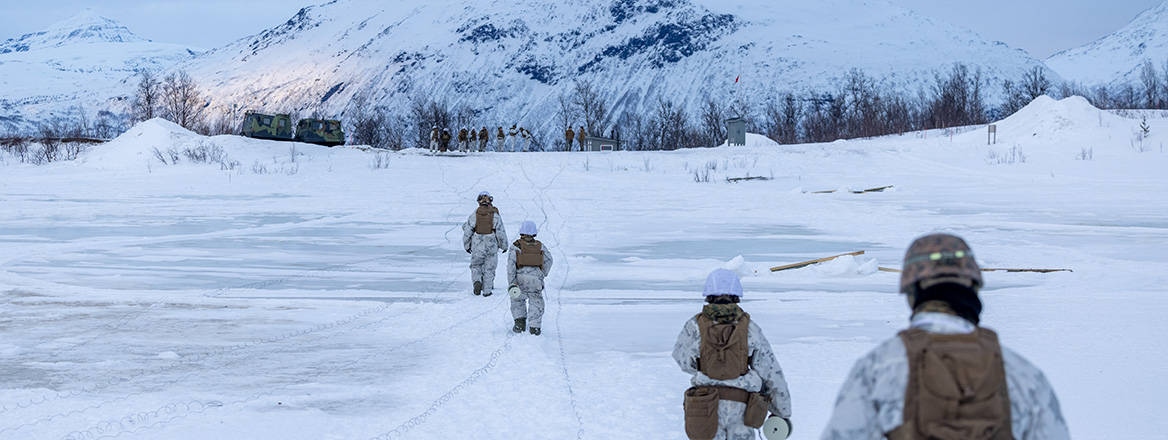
(484, 197)
(939, 258)
(722, 282)
(528, 228)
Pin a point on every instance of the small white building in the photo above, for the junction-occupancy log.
(597, 143)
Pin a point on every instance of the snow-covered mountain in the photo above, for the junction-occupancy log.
(82, 65)
(510, 60)
(1118, 57)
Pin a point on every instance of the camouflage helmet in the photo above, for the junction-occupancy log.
(939, 258)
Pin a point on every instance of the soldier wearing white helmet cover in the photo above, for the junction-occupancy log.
(482, 233)
(736, 376)
(527, 266)
(944, 377)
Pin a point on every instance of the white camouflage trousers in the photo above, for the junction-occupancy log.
(484, 258)
(730, 426)
(529, 305)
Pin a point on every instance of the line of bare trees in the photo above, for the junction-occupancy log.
(860, 106)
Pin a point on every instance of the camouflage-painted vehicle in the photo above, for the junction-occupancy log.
(263, 126)
(327, 132)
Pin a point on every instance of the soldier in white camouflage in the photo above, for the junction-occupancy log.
(482, 233)
(527, 266)
(737, 379)
(945, 376)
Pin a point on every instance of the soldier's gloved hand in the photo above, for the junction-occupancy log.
(503, 251)
(468, 250)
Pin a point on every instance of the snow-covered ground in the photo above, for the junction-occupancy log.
(316, 293)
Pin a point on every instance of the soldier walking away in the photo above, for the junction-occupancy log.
(481, 234)
(511, 137)
(472, 139)
(944, 377)
(580, 137)
(736, 377)
(500, 139)
(527, 266)
(483, 135)
(434, 139)
(462, 140)
(444, 140)
(569, 136)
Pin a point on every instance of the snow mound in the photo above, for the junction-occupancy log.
(150, 142)
(758, 140)
(1046, 115)
(135, 146)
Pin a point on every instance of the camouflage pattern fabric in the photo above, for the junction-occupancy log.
(937, 257)
(483, 250)
(530, 304)
(765, 376)
(871, 401)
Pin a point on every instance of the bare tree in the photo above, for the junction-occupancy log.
(425, 113)
(568, 112)
(957, 99)
(591, 106)
(1151, 82)
(788, 121)
(635, 133)
(146, 97)
(375, 127)
(181, 101)
(713, 122)
(671, 128)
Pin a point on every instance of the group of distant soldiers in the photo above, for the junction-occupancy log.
(515, 139)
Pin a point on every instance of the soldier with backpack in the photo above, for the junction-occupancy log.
(483, 139)
(444, 140)
(944, 377)
(527, 266)
(736, 377)
(462, 140)
(500, 138)
(482, 233)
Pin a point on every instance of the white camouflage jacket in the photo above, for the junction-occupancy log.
(871, 401)
(765, 374)
(528, 278)
(485, 244)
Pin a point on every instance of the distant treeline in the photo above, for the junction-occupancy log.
(859, 106)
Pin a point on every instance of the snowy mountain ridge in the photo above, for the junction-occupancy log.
(507, 61)
(78, 67)
(510, 61)
(86, 27)
(1118, 58)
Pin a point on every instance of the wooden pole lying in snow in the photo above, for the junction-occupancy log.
(810, 262)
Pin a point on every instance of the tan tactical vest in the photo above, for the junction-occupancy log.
(530, 253)
(956, 388)
(723, 353)
(485, 220)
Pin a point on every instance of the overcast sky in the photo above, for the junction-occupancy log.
(1041, 27)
